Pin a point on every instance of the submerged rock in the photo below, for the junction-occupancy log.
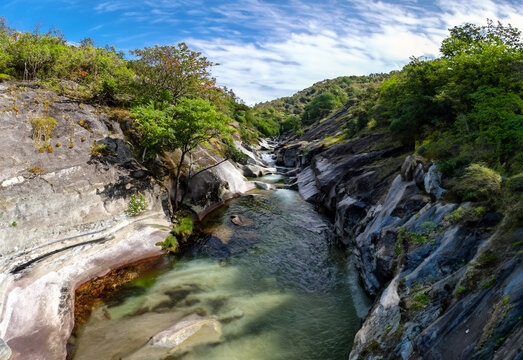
(179, 338)
(209, 330)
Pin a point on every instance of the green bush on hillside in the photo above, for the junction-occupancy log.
(479, 183)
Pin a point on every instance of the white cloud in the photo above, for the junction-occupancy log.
(319, 41)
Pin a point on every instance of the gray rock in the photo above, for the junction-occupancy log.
(407, 168)
(432, 182)
(307, 185)
(419, 176)
(257, 170)
(5, 351)
(264, 186)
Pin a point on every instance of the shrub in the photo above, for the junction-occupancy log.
(179, 234)
(42, 130)
(515, 183)
(99, 150)
(460, 291)
(136, 205)
(170, 244)
(478, 183)
(184, 228)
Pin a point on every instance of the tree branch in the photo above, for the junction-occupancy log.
(207, 168)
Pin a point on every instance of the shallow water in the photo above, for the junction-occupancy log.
(275, 284)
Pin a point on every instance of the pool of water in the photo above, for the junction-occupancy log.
(274, 284)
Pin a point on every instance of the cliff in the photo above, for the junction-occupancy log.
(62, 209)
(446, 277)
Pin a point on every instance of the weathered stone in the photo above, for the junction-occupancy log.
(179, 333)
(307, 185)
(432, 182)
(5, 351)
(257, 170)
(264, 186)
(407, 168)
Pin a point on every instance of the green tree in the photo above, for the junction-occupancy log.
(172, 72)
(319, 107)
(183, 126)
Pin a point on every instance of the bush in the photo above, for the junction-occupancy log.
(478, 183)
(170, 244)
(99, 150)
(515, 183)
(179, 234)
(42, 130)
(184, 228)
(136, 205)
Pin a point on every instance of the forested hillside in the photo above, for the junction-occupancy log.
(462, 110)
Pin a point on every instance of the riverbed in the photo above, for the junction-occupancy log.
(273, 282)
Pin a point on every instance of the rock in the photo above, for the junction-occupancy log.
(236, 220)
(240, 220)
(407, 168)
(211, 188)
(5, 351)
(193, 328)
(432, 182)
(369, 241)
(264, 186)
(349, 212)
(257, 170)
(384, 316)
(179, 338)
(306, 181)
(419, 176)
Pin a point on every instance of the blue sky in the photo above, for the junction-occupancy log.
(268, 48)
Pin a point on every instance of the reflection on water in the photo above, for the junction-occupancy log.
(275, 285)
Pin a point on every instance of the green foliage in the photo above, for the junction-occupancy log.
(179, 234)
(99, 149)
(420, 300)
(456, 215)
(136, 205)
(14, 223)
(169, 73)
(319, 107)
(461, 290)
(170, 244)
(486, 260)
(478, 183)
(183, 126)
(467, 103)
(233, 153)
(184, 228)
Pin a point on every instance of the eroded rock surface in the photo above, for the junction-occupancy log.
(441, 289)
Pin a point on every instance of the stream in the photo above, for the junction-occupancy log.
(274, 283)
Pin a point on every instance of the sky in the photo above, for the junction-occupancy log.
(269, 48)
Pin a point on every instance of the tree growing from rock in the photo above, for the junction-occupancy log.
(183, 127)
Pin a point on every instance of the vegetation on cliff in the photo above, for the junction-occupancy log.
(462, 110)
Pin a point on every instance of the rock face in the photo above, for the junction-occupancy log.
(69, 192)
(62, 211)
(441, 290)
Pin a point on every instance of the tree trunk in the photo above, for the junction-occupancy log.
(177, 180)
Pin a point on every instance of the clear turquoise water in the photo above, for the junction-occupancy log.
(278, 288)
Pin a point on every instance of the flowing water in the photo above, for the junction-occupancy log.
(274, 284)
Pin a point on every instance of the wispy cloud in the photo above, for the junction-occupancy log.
(317, 41)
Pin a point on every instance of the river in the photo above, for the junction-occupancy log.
(275, 284)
